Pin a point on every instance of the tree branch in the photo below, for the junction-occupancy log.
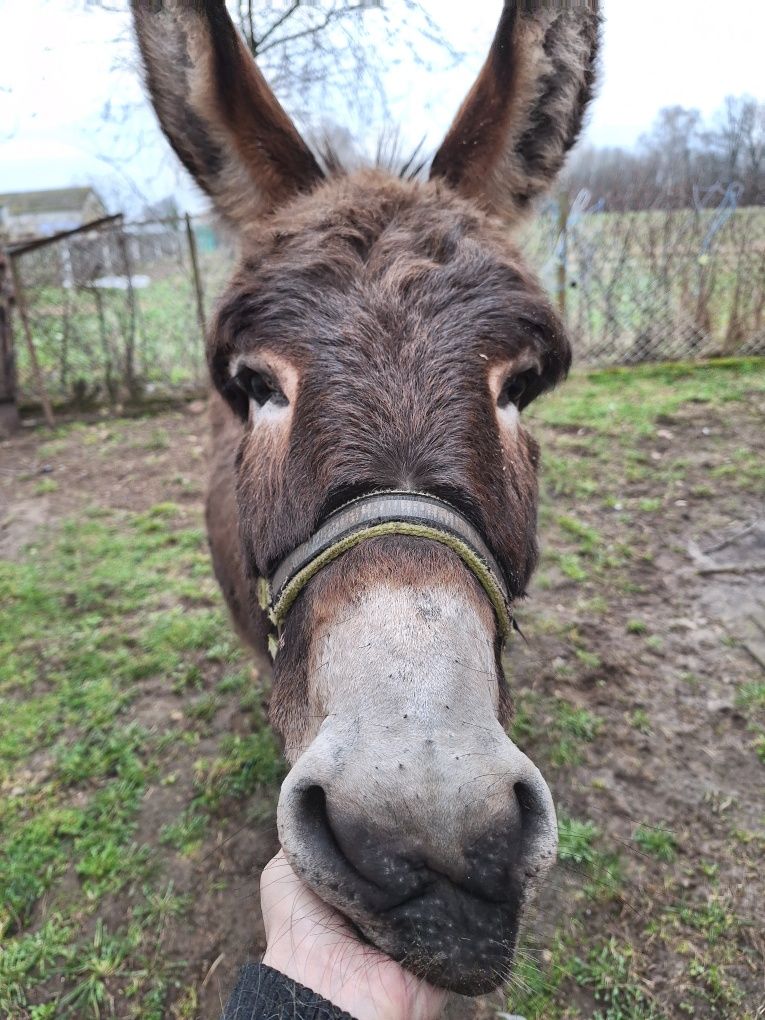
(257, 45)
(334, 15)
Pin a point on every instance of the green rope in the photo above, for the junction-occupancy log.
(470, 558)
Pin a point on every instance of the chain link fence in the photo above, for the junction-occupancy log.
(657, 285)
(113, 313)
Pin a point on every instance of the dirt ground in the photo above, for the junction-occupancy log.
(640, 693)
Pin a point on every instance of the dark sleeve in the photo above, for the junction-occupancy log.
(264, 994)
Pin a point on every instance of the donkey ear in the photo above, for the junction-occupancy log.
(217, 111)
(525, 110)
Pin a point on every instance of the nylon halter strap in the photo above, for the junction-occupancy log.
(413, 514)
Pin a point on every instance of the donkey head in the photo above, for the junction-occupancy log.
(384, 334)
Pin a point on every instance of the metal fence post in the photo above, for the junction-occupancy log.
(564, 209)
(9, 411)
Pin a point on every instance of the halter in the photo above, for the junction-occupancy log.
(413, 514)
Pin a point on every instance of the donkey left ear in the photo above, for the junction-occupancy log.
(526, 108)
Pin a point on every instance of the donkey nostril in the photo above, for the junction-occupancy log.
(317, 834)
(314, 819)
(532, 817)
(338, 853)
(525, 797)
(313, 800)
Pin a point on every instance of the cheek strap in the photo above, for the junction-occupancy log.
(380, 514)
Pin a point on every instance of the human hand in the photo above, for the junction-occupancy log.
(311, 943)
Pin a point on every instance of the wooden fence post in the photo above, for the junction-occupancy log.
(199, 293)
(130, 376)
(9, 411)
(21, 304)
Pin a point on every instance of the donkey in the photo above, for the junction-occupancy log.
(373, 496)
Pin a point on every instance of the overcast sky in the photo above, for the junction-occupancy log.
(57, 73)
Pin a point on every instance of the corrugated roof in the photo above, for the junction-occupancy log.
(20, 203)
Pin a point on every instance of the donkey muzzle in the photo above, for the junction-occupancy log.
(430, 847)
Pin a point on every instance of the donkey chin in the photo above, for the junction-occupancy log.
(410, 810)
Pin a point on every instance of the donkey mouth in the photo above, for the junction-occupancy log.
(455, 927)
(442, 934)
(448, 937)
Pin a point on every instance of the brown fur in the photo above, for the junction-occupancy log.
(411, 295)
(392, 299)
(396, 309)
(217, 111)
(526, 109)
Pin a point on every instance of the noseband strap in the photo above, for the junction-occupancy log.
(412, 514)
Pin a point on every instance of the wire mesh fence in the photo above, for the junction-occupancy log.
(113, 313)
(656, 285)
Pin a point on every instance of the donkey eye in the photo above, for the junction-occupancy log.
(514, 390)
(260, 387)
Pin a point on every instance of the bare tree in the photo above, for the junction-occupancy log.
(304, 45)
(670, 148)
(327, 59)
(680, 161)
(737, 142)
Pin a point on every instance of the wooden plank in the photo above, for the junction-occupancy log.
(42, 242)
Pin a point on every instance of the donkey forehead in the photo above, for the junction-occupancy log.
(366, 264)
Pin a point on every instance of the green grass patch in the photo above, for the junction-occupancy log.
(46, 486)
(572, 728)
(185, 832)
(246, 766)
(113, 601)
(640, 720)
(576, 841)
(659, 843)
(751, 697)
(628, 401)
(609, 971)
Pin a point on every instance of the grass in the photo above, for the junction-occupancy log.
(124, 598)
(563, 729)
(45, 487)
(641, 721)
(637, 627)
(111, 613)
(659, 843)
(750, 700)
(751, 696)
(630, 400)
(576, 841)
(609, 970)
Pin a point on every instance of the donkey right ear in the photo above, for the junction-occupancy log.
(215, 107)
